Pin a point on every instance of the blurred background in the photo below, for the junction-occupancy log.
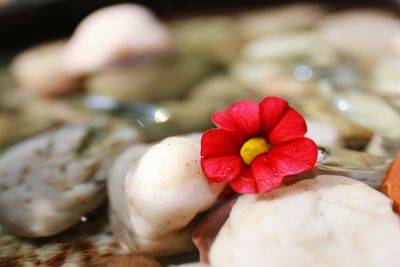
(163, 68)
(24, 22)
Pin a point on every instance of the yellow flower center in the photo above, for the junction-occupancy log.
(253, 148)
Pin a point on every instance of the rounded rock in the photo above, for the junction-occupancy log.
(115, 33)
(39, 70)
(48, 182)
(154, 203)
(350, 33)
(328, 221)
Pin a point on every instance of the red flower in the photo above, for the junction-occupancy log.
(257, 145)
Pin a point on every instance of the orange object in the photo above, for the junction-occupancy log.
(391, 183)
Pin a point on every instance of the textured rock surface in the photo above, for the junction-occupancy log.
(153, 205)
(48, 182)
(329, 221)
(79, 246)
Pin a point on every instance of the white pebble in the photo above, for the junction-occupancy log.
(119, 32)
(329, 221)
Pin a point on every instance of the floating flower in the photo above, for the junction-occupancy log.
(257, 145)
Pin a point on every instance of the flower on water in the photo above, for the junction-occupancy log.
(257, 145)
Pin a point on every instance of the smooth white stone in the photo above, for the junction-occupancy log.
(369, 111)
(153, 203)
(39, 70)
(318, 109)
(114, 33)
(329, 221)
(364, 34)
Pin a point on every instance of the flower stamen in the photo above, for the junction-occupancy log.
(253, 148)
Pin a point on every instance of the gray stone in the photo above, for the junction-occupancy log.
(48, 182)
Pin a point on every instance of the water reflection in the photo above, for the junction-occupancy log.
(303, 73)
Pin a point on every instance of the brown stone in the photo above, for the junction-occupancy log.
(207, 228)
(125, 261)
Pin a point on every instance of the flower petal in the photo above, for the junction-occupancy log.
(292, 157)
(224, 121)
(248, 183)
(244, 183)
(243, 117)
(218, 142)
(222, 169)
(263, 172)
(272, 110)
(291, 126)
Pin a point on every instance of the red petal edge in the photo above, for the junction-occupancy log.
(291, 126)
(222, 169)
(292, 157)
(242, 117)
(272, 110)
